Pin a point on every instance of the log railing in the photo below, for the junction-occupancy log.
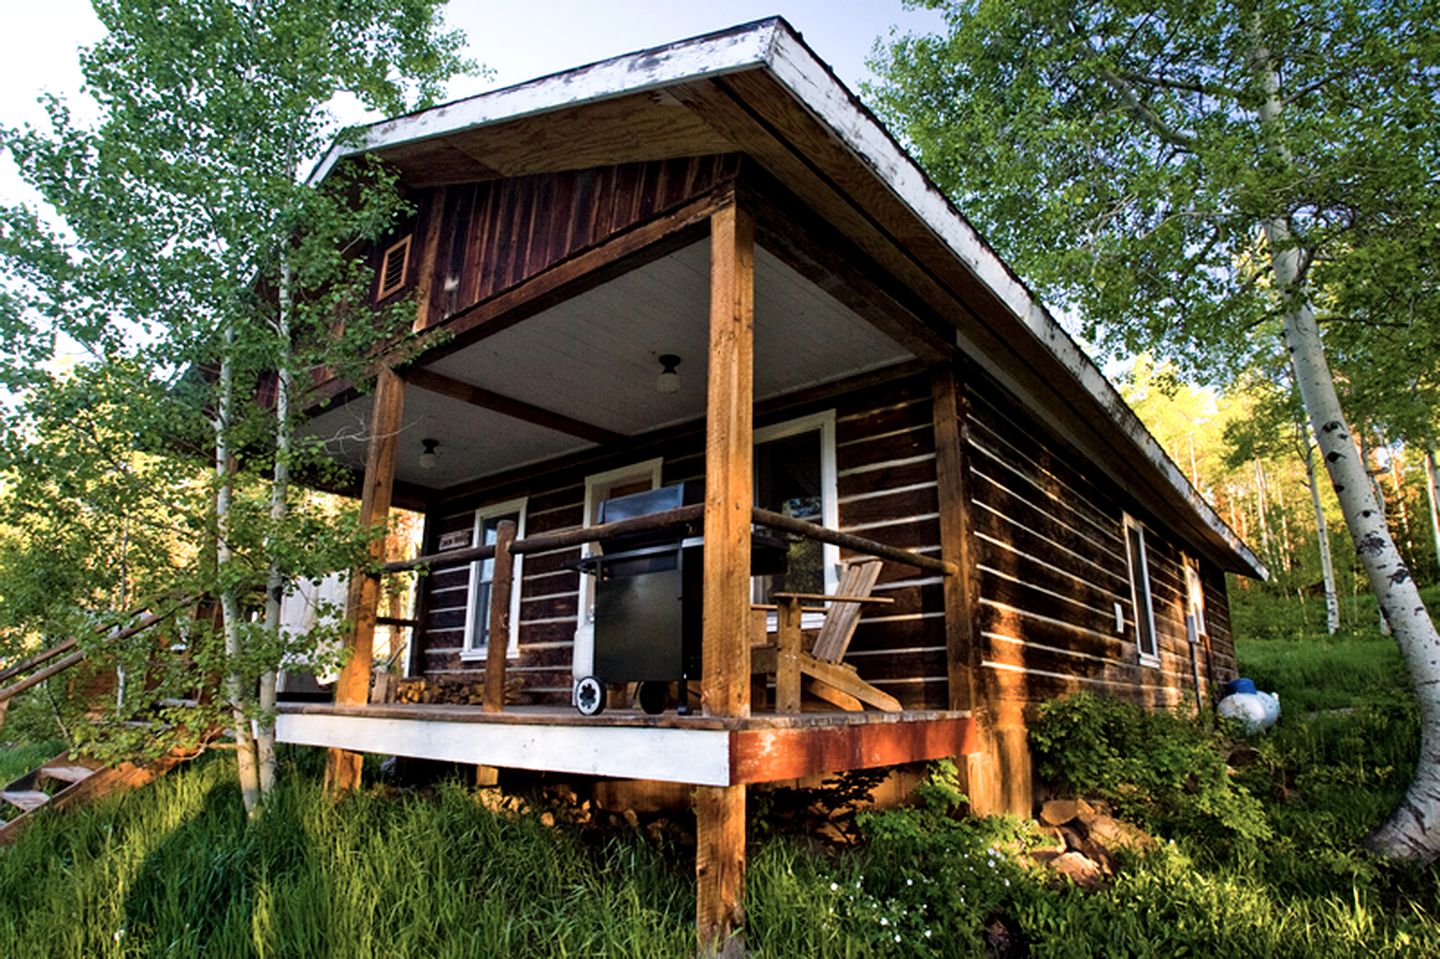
(683, 516)
(66, 645)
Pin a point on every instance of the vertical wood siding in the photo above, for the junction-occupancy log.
(496, 233)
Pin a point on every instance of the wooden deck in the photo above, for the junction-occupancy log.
(628, 744)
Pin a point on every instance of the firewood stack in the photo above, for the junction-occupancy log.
(453, 692)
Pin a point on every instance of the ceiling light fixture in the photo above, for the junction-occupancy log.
(428, 457)
(668, 381)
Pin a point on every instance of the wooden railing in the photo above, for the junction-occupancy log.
(66, 645)
(507, 546)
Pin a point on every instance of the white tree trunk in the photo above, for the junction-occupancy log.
(1432, 490)
(279, 490)
(1413, 830)
(245, 759)
(1322, 533)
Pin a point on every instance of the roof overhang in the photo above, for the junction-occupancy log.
(763, 92)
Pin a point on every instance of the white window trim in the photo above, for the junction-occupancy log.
(1146, 658)
(597, 486)
(1195, 597)
(467, 652)
(829, 496)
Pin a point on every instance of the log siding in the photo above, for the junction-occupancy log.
(1048, 543)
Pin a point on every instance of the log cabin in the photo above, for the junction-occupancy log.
(703, 279)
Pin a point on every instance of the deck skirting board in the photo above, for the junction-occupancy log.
(697, 756)
(715, 753)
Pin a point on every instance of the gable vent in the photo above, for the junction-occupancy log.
(393, 268)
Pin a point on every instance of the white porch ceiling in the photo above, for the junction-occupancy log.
(594, 358)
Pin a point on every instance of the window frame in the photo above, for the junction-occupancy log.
(824, 422)
(468, 651)
(1149, 657)
(1195, 600)
(382, 291)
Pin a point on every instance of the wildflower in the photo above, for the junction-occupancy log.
(884, 921)
(927, 933)
(834, 887)
(909, 882)
(897, 937)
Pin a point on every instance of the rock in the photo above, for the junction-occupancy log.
(1057, 812)
(1104, 837)
(1078, 869)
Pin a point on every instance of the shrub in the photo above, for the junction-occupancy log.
(1159, 769)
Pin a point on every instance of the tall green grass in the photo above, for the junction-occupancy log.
(175, 870)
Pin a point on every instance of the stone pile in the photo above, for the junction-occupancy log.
(1088, 840)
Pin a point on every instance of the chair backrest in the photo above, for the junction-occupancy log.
(842, 618)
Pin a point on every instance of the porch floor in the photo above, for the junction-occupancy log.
(629, 744)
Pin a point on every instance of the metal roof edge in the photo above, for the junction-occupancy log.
(712, 54)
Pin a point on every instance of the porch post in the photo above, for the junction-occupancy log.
(342, 768)
(960, 590)
(726, 618)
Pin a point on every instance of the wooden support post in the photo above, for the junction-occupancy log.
(729, 442)
(720, 870)
(959, 589)
(726, 616)
(498, 640)
(342, 768)
(787, 659)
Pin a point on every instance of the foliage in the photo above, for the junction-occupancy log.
(200, 281)
(1161, 769)
(1112, 153)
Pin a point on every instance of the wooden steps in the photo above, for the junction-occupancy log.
(28, 800)
(69, 780)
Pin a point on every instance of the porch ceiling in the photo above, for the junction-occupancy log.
(594, 358)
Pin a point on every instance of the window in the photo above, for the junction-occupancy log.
(393, 269)
(1140, 592)
(795, 475)
(482, 574)
(1194, 601)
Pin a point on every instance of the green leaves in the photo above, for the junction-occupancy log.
(1111, 151)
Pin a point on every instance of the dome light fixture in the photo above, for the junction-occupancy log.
(668, 381)
(428, 457)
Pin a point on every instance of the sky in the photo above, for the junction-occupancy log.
(516, 40)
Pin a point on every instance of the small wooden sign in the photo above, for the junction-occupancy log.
(456, 540)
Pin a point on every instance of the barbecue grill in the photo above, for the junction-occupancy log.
(649, 590)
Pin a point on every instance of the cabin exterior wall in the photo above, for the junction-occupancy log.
(885, 486)
(475, 240)
(1056, 609)
(1047, 536)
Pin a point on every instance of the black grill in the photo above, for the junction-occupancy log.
(649, 592)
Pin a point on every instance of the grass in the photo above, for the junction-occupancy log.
(174, 870)
(19, 759)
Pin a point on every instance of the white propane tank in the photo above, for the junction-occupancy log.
(1257, 711)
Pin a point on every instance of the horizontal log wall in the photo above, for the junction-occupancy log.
(1048, 543)
(1052, 567)
(885, 460)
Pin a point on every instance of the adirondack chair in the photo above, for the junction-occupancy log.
(821, 668)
